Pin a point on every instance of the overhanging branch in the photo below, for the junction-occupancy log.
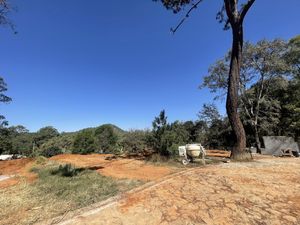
(245, 9)
(187, 15)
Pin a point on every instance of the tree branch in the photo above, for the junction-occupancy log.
(245, 9)
(187, 15)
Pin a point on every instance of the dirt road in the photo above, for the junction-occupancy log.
(266, 191)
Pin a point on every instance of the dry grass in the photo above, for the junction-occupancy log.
(55, 194)
(176, 162)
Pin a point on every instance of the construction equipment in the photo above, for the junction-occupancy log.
(191, 152)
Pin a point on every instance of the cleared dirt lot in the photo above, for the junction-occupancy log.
(17, 169)
(37, 191)
(266, 191)
(117, 168)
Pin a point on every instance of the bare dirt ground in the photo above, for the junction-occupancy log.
(118, 168)
(18, 169)
(266, 191)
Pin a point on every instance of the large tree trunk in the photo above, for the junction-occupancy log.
(257, 141)
(239, 150)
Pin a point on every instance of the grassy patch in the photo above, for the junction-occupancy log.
(159, 160)
(59, 189)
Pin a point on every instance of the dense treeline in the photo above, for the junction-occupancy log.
(269, 105)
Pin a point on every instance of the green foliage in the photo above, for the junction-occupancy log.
(66, 170)
(40, 160)
(167, 137)
(44, 135)
(160, 126)
(106, 139)
(5, 141)
(173, 137)
(293, 55)
(135, 141)
(84, 142)
(209, 114)
(23, 144)
(217, 133)
(51, 151)
(264, 64)
(197, 131)
(3, 98)
(16, 140)
(81, 188)
(64, 142)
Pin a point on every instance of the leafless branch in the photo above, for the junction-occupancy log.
(245, 9)
(187, 15)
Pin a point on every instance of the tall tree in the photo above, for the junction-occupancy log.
(45, 134)
(5, 9)
(235, 12)
(290, 101)
(106, 139)
(293, 55)
(209, 114)
(160, 126)
(263, 64)
(3, 98)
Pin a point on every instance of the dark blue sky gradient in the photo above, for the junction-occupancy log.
(76, 64)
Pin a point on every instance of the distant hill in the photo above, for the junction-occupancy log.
(116, 129)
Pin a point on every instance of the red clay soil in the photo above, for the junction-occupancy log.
(18, 169)
(265, 191)
(118, 168)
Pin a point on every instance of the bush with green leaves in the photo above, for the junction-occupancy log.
(135, 141)
(51, 151)
(167, 137)
(45, 134)
(66, 170)
(84, 142)
(63, 142)
(106, 139)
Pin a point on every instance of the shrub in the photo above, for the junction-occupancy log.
(51, 151)
(158, 158)
(66, 170)
(41, 160)
(63, 142)
(84, 143)
(106, 139)
(135, 141)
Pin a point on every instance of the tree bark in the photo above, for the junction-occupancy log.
(239, 150)
(257, 141)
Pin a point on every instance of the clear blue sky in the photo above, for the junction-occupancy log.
(76, 64)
